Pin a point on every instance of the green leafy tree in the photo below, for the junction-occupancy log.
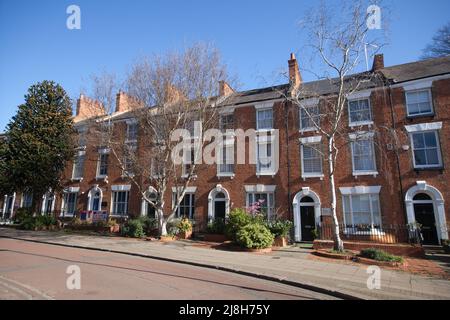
(38, 142)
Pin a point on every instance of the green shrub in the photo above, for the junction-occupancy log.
(254, 236)
(47, 220)
(216, 226)
(22, 214)
(380, 255)
(279, 227)
(237, 219)
(148, 223)
(133, 228)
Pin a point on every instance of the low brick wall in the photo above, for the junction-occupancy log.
(399, 249)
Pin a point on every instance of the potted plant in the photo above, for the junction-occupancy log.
(280, 230)
(184, 229)
(114, 227)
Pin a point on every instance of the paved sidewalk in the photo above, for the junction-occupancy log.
(289, 265)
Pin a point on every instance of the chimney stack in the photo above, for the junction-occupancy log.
(378, 62)
(125, 102)
(225, 89)
(295, 77)
(88, 108)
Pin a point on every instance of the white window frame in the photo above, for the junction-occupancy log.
(363, 137)
(114, 203)
(363, 122)
(307, 104)
(64, 204)
(310, 142)
(79, 154)
(264, 109)
(227, 143)
(430, 97)
(359, 191)
(125, 172)
(129, 124)
(189, 194)
(270, 195)
(101, 153)
(221, 123)
(266, 140)
(438, 148)
(22, 200)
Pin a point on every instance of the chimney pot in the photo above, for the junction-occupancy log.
(295, 77)
(378, 62)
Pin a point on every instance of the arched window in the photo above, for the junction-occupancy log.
(422, 197)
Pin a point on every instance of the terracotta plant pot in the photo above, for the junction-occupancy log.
(280, 241)
(114, 228)
(184, 234)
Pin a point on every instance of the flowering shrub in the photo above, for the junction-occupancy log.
(237, 219)
(184, 225)
(254, 236)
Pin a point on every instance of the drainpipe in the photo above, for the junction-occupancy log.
(394, 127)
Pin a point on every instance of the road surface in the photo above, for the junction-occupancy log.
(39, 271)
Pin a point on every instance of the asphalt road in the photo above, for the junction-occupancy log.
(39, 271)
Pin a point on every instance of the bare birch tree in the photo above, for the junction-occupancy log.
(170, 92)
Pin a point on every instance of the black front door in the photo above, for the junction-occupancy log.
(307, 222)
(219, 209)
(150, 211)
(424, 213)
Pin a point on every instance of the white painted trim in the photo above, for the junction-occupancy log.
(311, 140)
(361, 135)
(359, 123)
(227, 110)
(145, 204)
(310, 102)
(121, 187)
(91, 198)
(360, 190)
(72, 189)
(211, 200)
(264, 105)
(359, 95)
(260, 188)
(306, 192)
(44, 200)
(190, 189)
(424, 126)
(438, 206)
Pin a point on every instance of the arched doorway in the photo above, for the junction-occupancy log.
(425, 205)
(146, 208)
(424, 215)
(306, 214)
(95, 197)
(218, 203)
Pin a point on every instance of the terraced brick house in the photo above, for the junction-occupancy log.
(394, 174)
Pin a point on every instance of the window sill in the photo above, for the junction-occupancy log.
(225, 175)
(360, 123)
(309, 176)
(422, 115)
(125, 176)
(365, 173)
(258, 174)
(69, 215)
(429, 168)
(77, 179)
(101, 177)
(115, 215)
(308, 130)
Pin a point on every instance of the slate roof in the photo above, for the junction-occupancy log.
(393, 74)
(417, 70)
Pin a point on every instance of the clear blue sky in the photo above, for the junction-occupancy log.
(255, 38)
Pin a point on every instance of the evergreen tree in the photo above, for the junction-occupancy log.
(38, 142)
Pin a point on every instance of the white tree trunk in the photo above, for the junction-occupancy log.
(162, 223)
(338, 244)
